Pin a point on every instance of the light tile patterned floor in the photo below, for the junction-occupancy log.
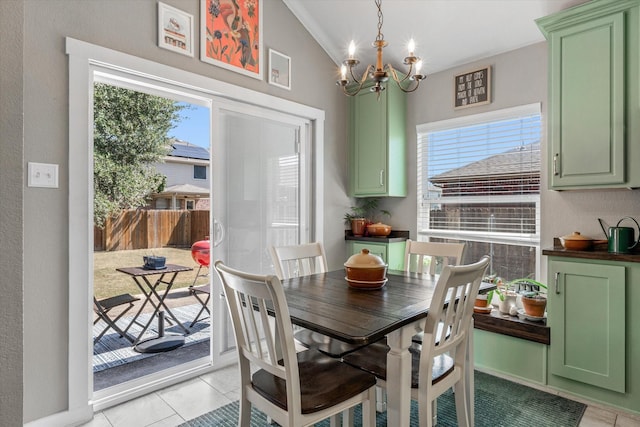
(181, 402)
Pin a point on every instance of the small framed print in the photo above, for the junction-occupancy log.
(175, 29)
(279, 69)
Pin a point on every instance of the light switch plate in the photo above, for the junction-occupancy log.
(42, 175)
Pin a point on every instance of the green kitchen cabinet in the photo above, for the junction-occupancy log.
(587, 315)
(391, 253)
(378, 143)
(594, 99)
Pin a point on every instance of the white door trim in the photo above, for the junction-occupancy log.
(85, 60)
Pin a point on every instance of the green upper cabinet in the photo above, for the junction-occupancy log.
(594, 100)
(378, 143)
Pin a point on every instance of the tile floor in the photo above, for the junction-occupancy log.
(176, 404)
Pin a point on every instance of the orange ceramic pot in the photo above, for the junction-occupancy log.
(365, 270)
(378, 229)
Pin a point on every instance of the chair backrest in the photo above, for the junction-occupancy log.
(298, 260)
(262, 328)
(416, 252)
(452, 306)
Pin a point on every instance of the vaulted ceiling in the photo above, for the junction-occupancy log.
(447, 33)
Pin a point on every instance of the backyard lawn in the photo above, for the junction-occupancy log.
(108, 282)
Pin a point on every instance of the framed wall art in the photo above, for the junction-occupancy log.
(231, 35)
(472, 88)
(175, 29)
(279, 69)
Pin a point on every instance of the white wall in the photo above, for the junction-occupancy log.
(182, 173)
(35, 244)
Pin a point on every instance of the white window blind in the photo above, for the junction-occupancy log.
(479, 177)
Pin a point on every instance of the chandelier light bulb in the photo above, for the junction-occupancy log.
(411, 47)
(352, 49)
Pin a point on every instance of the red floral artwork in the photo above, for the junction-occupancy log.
(233, 33)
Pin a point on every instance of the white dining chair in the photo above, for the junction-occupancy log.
(293, 388)
(416, 253)
(303, 260)
(298, 260)
(444, 359)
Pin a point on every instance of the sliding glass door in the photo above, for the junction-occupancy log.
(259, 172)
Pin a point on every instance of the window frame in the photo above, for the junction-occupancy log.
(197, 168)
(516, 239)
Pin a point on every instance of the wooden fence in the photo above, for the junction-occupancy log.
(142, 229)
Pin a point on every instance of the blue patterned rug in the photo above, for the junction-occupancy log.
(498, 403)
(112, 351)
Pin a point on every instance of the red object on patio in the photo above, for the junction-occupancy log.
(200, 252)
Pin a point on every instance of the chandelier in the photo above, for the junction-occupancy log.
(380, 73)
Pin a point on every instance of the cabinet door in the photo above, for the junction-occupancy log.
(370, 144)
(586, 314)
(587, 103)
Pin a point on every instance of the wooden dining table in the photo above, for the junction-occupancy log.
(326, 304)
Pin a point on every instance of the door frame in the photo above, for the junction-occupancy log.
(85, 60)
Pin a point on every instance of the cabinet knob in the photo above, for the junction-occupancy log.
(556, 172)
(381, 177)
(557, 281)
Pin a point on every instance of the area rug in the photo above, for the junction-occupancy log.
(498, 403)
(111, 350)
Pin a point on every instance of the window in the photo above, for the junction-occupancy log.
(199, 172)
(479, 182)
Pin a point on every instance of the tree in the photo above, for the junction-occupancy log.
(130, 135)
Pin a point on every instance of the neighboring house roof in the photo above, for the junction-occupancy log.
(522, 160)
(187, 150)
(186, 190)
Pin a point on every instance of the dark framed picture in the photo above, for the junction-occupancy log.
(472, 88)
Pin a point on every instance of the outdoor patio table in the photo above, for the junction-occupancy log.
(325, 303)
(149, 287)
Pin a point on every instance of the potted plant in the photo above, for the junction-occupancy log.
(365, 212)
(534, 300)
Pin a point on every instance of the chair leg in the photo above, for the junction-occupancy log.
(381, 399)
(244, 412)
(369, 409)
(461, 404)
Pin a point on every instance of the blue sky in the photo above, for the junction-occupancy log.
(194, 126)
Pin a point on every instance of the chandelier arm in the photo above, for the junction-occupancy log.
(394, 74)
(409, 90)
(360, 83)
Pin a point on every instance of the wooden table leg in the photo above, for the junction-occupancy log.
(399, 377)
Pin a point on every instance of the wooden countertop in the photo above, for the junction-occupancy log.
(395, 236)
(513, 326)
(598, 252)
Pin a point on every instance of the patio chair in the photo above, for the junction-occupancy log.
(441, 362)
(203, 294)
(303, 260)
(292, 388)
(102, 307)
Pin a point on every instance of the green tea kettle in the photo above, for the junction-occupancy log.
(621, 239)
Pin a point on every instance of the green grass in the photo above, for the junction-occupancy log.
(108, 282)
